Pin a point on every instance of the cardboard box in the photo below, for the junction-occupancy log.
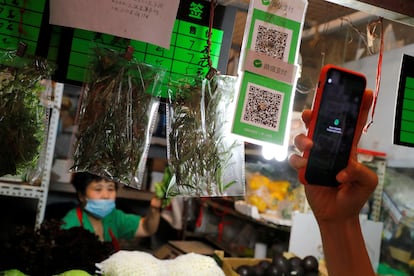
(229, 264)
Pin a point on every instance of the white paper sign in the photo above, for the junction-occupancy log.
(145, 20)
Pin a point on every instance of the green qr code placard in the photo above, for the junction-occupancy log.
(259, 112)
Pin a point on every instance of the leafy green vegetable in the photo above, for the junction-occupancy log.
(74, 272)
(161, 188)
(23, 118)
(51, 250)
(198, 152)
(12, 272)
(114, 118)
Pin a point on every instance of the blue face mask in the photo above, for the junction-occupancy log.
(100, 208)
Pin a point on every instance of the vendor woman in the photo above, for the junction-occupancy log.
(97, 213)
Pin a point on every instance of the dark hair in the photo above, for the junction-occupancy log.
(81, 180)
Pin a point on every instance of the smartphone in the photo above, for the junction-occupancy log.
(336, 109)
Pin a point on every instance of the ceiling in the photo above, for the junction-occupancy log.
(335, 33)
(320, 12)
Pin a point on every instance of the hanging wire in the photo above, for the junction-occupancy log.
(212, 71)
(22, 11)
(379, 70)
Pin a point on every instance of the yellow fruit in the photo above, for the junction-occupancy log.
(258, 202)
(279, 195)
(257, 180)
(278, 186)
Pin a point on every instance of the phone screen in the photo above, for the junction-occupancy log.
(335, 126)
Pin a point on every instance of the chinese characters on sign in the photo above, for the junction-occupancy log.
(268, 71)
(20, 21)
(138, 9)
(196, 10)
(145, 20)
(187, 55)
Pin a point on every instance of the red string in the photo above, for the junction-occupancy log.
(220, 229)
(22, 11)
(199, 220)
(210, 27)
(378, 76)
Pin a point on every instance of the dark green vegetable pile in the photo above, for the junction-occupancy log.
(51, 250)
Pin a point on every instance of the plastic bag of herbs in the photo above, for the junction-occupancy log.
(25, 93)
(204, 158)
(117, 114)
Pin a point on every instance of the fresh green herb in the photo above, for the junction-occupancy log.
(161, 188)
(197, 153)
(22, 116)
(114, 116)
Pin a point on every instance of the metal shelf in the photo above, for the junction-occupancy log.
(218, 204)
(21, 189)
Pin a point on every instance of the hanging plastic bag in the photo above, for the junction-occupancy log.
(116, 117)
(25, 92)
(205, 160)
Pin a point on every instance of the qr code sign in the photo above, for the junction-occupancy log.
(271, 40)
(262, 107)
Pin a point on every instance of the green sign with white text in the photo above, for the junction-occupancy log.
(186, 57)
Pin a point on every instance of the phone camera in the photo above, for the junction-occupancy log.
(334, 77)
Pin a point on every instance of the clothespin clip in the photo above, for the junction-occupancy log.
(21, 49)
(129, 52)
(211, 73)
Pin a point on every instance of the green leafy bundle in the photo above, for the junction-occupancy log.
(22, 116)
(199, 153)
(115, 116)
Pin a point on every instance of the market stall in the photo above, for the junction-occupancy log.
(186, 112)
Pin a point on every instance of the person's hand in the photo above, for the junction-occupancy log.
(156, 203)
(357, 182)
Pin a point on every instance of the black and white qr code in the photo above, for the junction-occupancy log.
(271, 41)
(262, 107)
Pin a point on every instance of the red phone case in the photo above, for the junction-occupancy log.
(315, 109)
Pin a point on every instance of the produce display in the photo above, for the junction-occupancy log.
(136, 263)
(281, 266)
(117, 113)
(204, 159)
(23, 114)
(274, 196)
(52, 251)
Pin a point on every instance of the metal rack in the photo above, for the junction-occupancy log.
(18, 188)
